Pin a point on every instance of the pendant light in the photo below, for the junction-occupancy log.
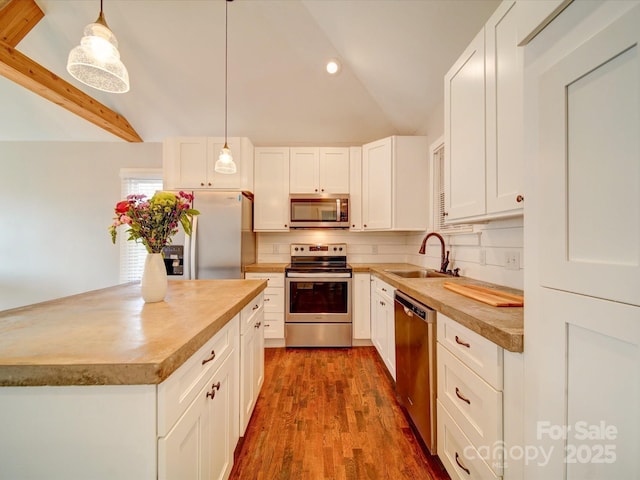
(96, 61)
(225, 163)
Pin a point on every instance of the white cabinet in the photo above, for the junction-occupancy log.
(251, 358)
(394, 184)
(355, 188)
(273, 304)
(383, 334)
(470, 382)
(361, 306)
(483, 124)
(271, 189)
(319, 170)
(188, 163)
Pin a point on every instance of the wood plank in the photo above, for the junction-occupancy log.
(17, 18)
(31, 75)
(496, 298)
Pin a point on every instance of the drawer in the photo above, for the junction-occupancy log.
(474, 404)
(177, 392)
(274, 300)
(479, 354)
(384, 289)
(459, 456)
(273, 279)
(249, 312)
(274, 325)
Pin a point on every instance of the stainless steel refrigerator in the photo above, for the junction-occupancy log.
(222, 241)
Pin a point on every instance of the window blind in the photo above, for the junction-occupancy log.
(438, 197)
(132, 254)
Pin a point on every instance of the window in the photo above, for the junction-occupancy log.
(132, 254)
(437, 161)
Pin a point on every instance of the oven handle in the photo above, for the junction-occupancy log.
(317, 276)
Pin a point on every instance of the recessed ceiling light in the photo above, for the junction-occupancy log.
(333, 66)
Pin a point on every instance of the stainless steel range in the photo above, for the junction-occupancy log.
(318, 296)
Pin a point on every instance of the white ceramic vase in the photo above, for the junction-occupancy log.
(154, 278)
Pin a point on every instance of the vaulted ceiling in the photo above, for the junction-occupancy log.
(394, 54)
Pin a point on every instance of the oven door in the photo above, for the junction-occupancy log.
(318, 298)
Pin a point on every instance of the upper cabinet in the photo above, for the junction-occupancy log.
(394, 184)
(271, 193)
(319, 170)
(483, 124)
(188, 163)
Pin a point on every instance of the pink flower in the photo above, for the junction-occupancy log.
(125, 219)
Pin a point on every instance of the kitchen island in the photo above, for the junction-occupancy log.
(102, 385)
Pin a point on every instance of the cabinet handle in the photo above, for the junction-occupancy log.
(255, 307)
(267, 299)
(257, 325)
(209, 183)
(202, 184)
(445, 214)
(286, 226)
(382, 303)
(460, 342)
(462, 397)
(267, 325)
(214, 388)
(467, 471)
(520, 198)
(384, 289)
(353, 226)
(322, 189)
(207, 360)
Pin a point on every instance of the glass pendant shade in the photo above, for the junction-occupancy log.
(96, 61)
(225, 163)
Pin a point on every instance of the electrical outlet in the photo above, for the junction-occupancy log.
(512, 260)
(482, 256)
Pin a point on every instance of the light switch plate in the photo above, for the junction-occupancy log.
(512, 260)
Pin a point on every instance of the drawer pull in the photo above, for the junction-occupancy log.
(467, 471)
(461, 397)
(207, 360)
(255, 307)
(460, 342)
(384, 289)
(267, 299)
(214, 388)
(267, 325)
(257, 325)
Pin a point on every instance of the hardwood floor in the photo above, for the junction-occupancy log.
(330, 414)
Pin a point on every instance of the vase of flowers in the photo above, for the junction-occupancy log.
(153, 222)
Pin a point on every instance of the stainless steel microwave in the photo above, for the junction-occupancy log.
(319, 211)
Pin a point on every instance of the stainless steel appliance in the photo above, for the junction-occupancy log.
(415, 327)
(222, 241)
(319, 211)
(318, 296)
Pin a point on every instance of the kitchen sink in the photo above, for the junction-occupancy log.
(417, 273)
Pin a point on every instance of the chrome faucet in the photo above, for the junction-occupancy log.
(444, 259)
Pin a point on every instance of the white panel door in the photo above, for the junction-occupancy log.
(464, 129)
(334, 170)
(590, 166)
(376, 184)
(271, 189)
(304, 172)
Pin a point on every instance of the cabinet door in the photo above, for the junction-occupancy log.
(185, 162)
(390, 336)
(223, 414)
(184, 451)
(504, 72)
(258, 358)
(355, 188)
(464, 117)
(378, 326)
(376, 184)
(304, 170)
(271, 196)
(247, 362)
(221, 180)
(334, 170)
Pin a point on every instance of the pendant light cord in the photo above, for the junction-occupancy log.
(226, 63)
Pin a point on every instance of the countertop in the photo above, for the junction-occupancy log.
(502, 325)
(111, 337)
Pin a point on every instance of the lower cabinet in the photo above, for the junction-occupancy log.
(273, 304)
(383, 333)
(479, 387)
(361, 306)
(251, 358)
(198, 411)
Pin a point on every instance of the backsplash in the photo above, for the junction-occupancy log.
(480, 255)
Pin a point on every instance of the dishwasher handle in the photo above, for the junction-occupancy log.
(412, 305)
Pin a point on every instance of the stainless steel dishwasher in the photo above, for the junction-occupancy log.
(416, 365)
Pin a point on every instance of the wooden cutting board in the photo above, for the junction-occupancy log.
(490, 296)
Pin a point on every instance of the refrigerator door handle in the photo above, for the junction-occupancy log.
(192, 248)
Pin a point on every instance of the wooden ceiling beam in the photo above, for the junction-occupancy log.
(33, 76)
(17, 18)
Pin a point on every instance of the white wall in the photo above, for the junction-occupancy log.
(57, 202)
